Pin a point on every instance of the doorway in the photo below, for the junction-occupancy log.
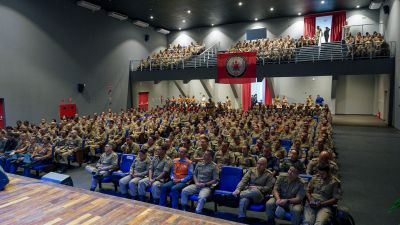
(2, 114)
(144, 101)
(324, 22)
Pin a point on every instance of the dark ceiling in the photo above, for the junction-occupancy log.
(169, 14)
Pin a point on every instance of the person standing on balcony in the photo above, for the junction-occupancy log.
(326, 34)
(318, 33)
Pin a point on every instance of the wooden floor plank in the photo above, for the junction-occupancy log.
(28, 201)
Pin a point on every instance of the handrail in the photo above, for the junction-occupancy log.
(334, 51)
(212, 46)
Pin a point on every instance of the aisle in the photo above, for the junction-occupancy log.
(369, 165)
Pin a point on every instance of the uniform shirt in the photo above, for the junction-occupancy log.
(172, 152)
(73, 144)
(159, 165)
(287, 163)
(227, 159)
(323, 190)
(206, 172)
(263, 181)
(245, 161)
(140, 167)
(272, 163)
(280, 153)
(132, 148)
(150, 149)
(108, 161)
(312, 167)
(285, 135)
(287, 189)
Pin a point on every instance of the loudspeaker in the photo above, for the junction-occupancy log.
(386, 9)
(146, 37)
(58, 178)
(81, 87)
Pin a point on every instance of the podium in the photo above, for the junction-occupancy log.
(58, 178)
(67, 110)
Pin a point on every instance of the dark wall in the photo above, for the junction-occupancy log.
(47, 47)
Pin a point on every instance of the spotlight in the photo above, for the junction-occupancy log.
(151, 17)
(240, 3)
(255, 19)
(189, 11)
(299, 14)
(271, 9)
(358, 6)
(183, 21)
(322, 2)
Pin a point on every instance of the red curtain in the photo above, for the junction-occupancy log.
(338, 21)
(268, 98)
(246, 96)
(309, 26)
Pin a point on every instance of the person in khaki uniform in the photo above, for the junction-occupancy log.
(245, 160)
(253, 187)
(72, 144)
(107, 163)
(224, 157)
(324, 157)
(286, 134)
(150, 146)
(98, 140)
(130, 147)
(199, 152)
(236, 146)
(158, 175)
(323, 192)
(293, 160)
(288, 195)
(204, 176)
(171, 150)
(139, 170)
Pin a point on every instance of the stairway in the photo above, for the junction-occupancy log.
(331, 51)
(307, 54)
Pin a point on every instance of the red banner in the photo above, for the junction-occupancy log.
(236, 68)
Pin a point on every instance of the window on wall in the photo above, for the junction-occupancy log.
(255, 34)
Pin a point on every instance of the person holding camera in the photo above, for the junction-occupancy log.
(323, 192)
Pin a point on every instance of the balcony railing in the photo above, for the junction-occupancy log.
(335, 51)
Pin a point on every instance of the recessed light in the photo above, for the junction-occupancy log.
(322, 2)
(271, 9)
(183, 21)
(151, 17)
(299, 14)
(180, 28)
(240, 3)
(255, 19)
(212, 24)
(358, 6)
(189, 11)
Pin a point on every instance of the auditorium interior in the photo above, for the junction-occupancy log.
(200, 112)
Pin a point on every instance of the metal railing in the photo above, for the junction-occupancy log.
(200, 60)
(334, 51)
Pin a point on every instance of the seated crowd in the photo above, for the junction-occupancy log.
(268, 49)
(368, 45)
(180, 152)
(170, 56)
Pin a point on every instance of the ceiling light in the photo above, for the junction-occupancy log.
(140, 23)
(179, 28)
(255, 19)
(358, 6)
(88, 5)
(163, 31)
(271, 9)
(322, 2)
(212, 24)
(151, 17)
(299, 14)
(376, 4)
(183, 21)
(118, 16)
(189, 11)
(240, 3)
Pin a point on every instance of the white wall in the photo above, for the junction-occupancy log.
(297, 89)
(355, 95)
(381, 95)
(392, 33)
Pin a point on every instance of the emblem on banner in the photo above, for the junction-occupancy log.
(236, 66)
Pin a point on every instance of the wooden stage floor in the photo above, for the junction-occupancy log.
(31, 201)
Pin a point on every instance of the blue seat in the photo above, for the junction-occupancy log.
(124, 166)
(254, 140)
(230, 177)
(286, 143)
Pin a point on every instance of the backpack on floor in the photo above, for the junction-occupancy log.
(343, 216)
